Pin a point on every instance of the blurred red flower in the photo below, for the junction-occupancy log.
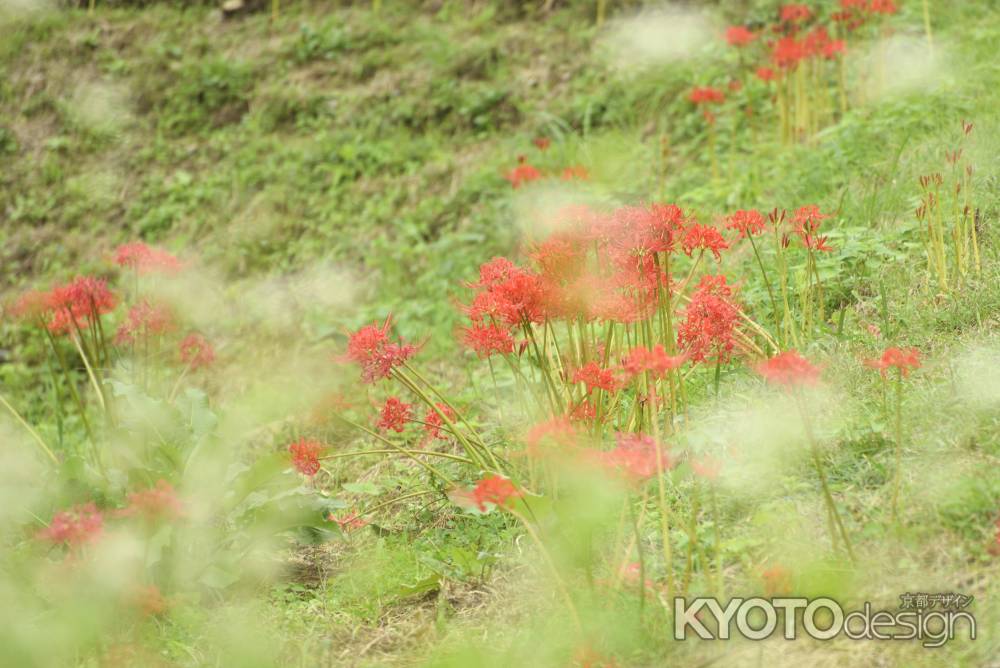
(594, 377)
(523, 173)
(159, 502)
(706, 95)
(903, 359)
(144, 320)
(789, 369)
(739, 35)
(195, 351)
(146, 259)
(494, 489)
(75, 526)
(433, 421)
(305, 456)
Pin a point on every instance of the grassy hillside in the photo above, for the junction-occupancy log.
(334, 166)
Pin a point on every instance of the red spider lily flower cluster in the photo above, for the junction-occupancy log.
(377, 356)
(195, 351)
(597, 266)
(902, 359)
(488, 339)
(789, 369)
(145, 320)
(595, 378)
(305, 455)
(807, 220)
(706, 95)
(348, 521)
(747, 223)
(146, 259)
(74, 527)
(69, 307)
(994, 548)
(559, 432)
(523, 173)
(739, 35)
(707, 467)
(710, 319)
(795, 13)
(777, 580)
(493, 490)
(656, 361)
(575, 172)
(433, 422)
(394, 415)
(634, 458)
(149, 600)
(157, 503)
(765, 74)
(703, 237)
(542, 143)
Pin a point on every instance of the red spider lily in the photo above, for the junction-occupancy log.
(433, 421)
(807, 220)
(305, 456)
(74, 527)
(523, 173)
(33, 305)
(585, 412)
(560, 257)
(395, 414)
(707, 467)
(348, 521)
(495, 490)
(903, 359)
(575, 172)
(746, 222)
(588, 657)
(735, 85)
(488, 339)
(594, 377)
(371, 349)
(634, 458)
(994, 549)
(834, 47)
(557, 431)
(704, 237)
(777, 580)
(541, 143)
(195, 351)
(709, 326)
(144, 320)
(508, 293)
(882, 7)
(789, 369)
(157, 503)
(787, 52)
(79, 303)
(149, 600)
(739, 35)
(765, 74)
(655, 361)
(706, 95)
(146, 259)
(796, 13)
